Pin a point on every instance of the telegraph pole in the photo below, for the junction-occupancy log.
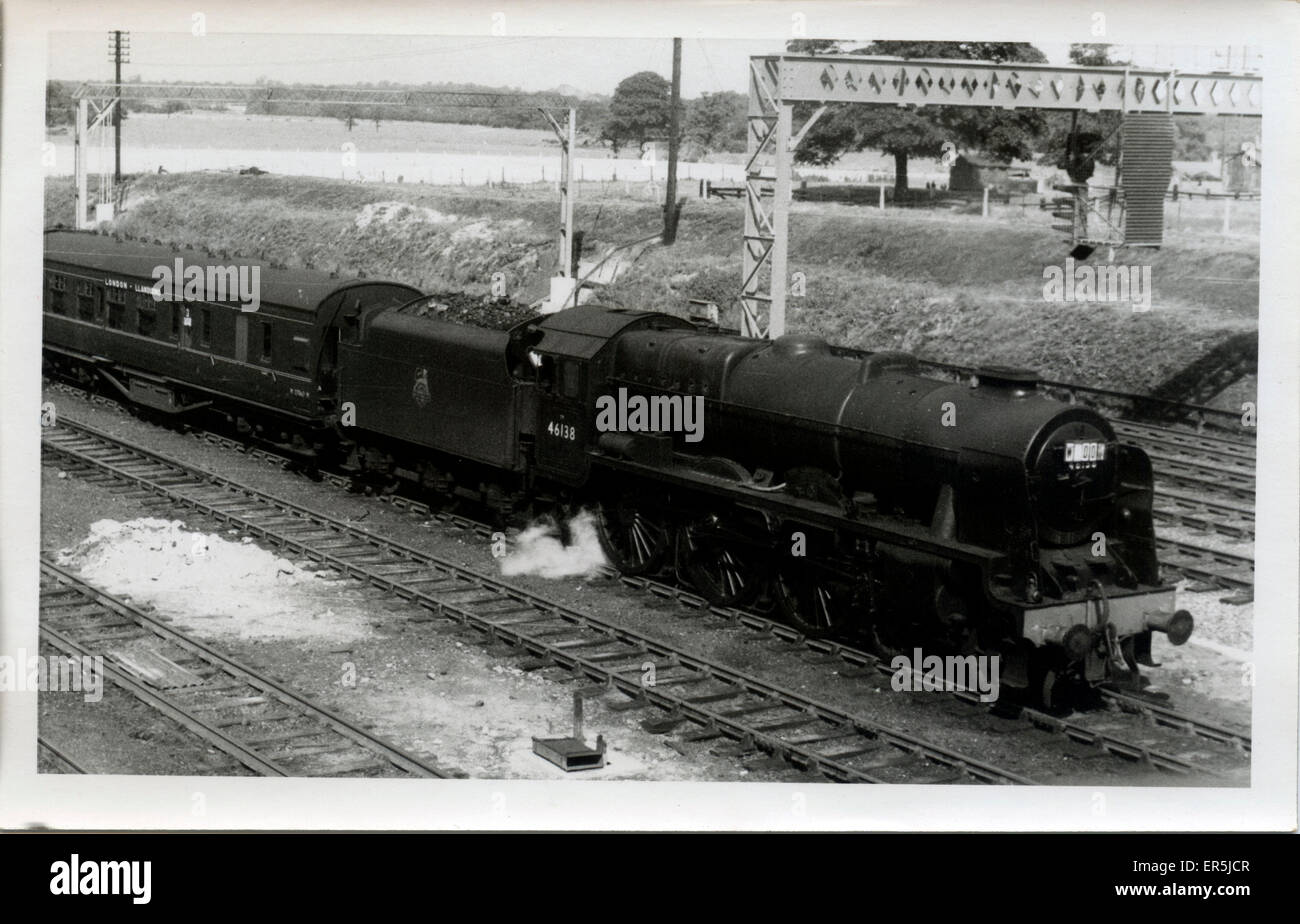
(119, 49)
(670, 204)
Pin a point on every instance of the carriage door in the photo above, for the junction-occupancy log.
(241, 337)
(182, 324)
(563, 424)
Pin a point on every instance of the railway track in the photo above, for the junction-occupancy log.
(718, 701)
(1202, 481)
(1199, 445)
(1146, 750)
(1158, 713)
(714, 701)
(1164, 748)
(1222, 569)
(1227, 518)
(58, 756)
(1233, 485)
(254, 719)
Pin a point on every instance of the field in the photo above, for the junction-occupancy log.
(948, 286)
(421, 152)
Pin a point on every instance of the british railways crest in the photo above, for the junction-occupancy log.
(420, 391)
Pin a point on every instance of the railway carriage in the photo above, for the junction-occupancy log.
(272, 369)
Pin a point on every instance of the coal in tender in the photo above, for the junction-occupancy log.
(480, 311)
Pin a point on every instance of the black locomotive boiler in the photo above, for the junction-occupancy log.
(855, 494)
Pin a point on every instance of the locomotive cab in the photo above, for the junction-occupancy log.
(569, 354)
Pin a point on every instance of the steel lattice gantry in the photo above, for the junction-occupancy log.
(778, 82)
(103, 97)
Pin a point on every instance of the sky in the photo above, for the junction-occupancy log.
(530, 64)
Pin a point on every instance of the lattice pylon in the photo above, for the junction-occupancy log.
(89, 133)
(767, 203)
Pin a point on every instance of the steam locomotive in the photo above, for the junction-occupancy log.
(846, 489)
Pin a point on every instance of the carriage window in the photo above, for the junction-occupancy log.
(176, 312)
(301, 360)
(266, 342)
(116, 299)
(146, 319)
(87, 301)
(146, 315)
(58, 285)
(205, 327)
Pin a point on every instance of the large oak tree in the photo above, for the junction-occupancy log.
(910, 131)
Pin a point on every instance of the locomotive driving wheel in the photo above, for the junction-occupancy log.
(725, 569)
(1051, 683)
(814, 600)
(634, 536)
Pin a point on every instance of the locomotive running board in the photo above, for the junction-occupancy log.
(885, 529)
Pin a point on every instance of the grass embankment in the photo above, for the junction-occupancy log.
(952, 288)
(436, 238)
(966, 290)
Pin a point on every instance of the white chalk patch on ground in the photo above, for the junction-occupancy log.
(453, 703)
(206, 583)
(1228, 624)
(487, 230)
(1215, 661)
(539, 551)
(1201, 670)
(385, 212)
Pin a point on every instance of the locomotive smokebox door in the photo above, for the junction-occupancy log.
(563, 420)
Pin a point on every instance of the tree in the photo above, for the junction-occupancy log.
(716, 121)
(1192, 138)
(345, 113)
(60, 107)
(592, 116)
(639, 111)
(1078, 141)
(1092, 54)
(906, 132)
(812, 46)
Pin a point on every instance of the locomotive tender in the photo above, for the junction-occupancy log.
(857, 495)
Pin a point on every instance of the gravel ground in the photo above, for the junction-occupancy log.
(374, 660)
(422, 686)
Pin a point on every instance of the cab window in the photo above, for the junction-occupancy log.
(570, 379)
